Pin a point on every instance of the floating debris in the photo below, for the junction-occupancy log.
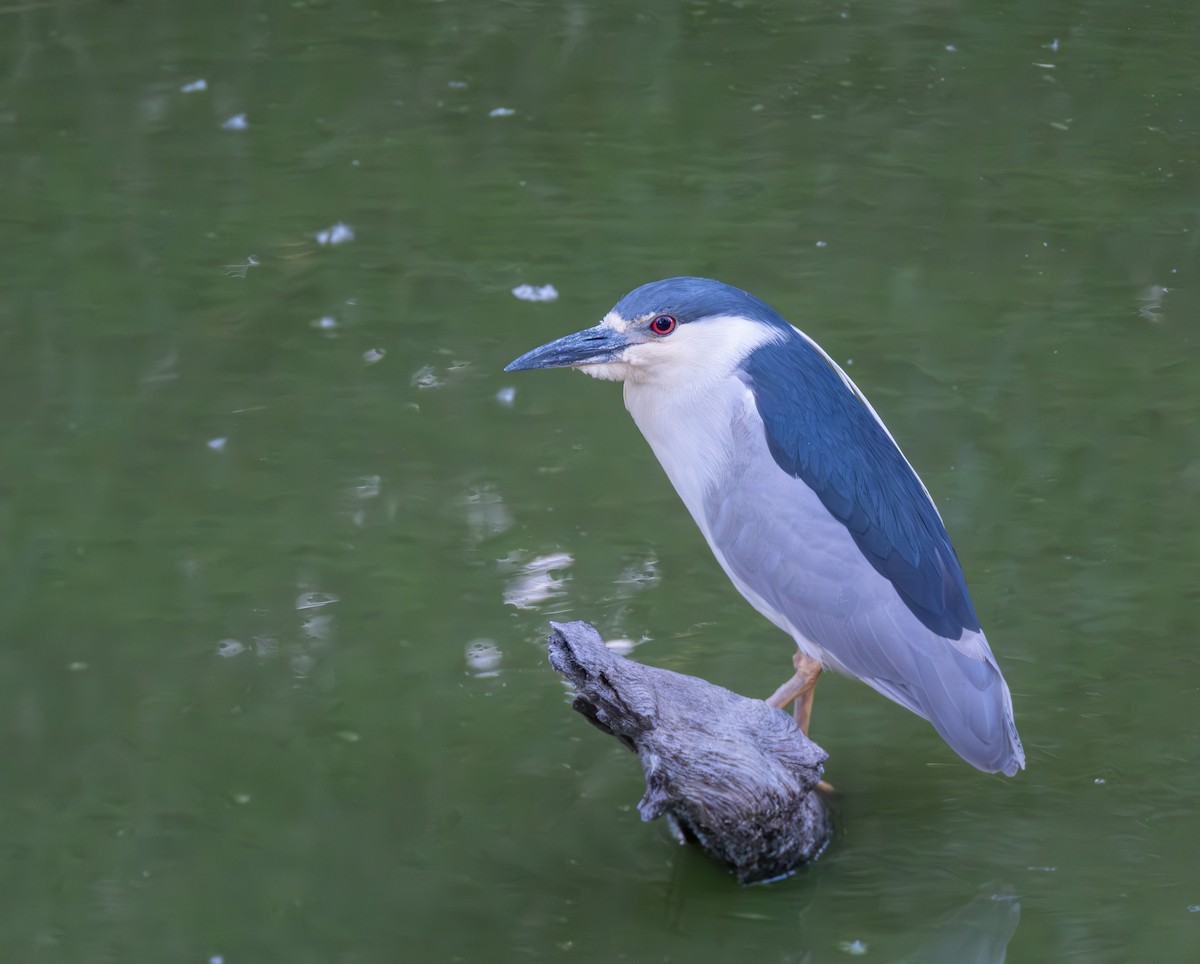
(854, 948)
(216, 444)
(822, 244)
(424, 377)
(506, 395)
(373, 355)
(314, 600)
(236, 123)
(324, 323)
(230, 647)
(501, 112)
(195, 86)
(239, 270)
(536, 292)
(456, 84)
(336, 234)
(643, 575)
(622, 647)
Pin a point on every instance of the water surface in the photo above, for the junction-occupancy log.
(280, 540)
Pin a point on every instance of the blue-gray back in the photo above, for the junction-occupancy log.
(819, 431)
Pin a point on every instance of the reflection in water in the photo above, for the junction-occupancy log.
(426, 376)
(368, 487)
(642, 575)
(483, 658)
(622, 646)
(317, 626)
(1151, 299)
(978, 933)
(538, 581)
(316, 629)
(364, 488)
(486, 513)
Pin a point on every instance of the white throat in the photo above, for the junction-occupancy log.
(682, 392)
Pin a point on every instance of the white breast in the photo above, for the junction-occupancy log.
(691, 434)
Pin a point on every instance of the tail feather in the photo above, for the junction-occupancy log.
(968, 703)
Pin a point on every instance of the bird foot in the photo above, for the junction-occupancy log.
(799, 690)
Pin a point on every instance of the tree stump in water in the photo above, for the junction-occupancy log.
(735, 775)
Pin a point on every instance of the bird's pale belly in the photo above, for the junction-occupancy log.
(682, 437)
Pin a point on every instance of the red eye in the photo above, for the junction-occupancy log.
(663, 325)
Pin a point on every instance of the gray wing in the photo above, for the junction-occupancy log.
(800, 566)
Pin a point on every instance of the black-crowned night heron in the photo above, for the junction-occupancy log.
(806, 501)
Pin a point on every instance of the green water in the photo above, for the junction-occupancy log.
(244, 558)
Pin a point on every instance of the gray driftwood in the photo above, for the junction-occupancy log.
(737, 776)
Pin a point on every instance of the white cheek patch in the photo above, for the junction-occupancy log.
(616, 371)
(690, 359)
(615, 322)
(698, 353)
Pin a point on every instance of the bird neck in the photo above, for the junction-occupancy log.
(689, 431)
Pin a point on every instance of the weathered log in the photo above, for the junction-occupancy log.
(735, 775)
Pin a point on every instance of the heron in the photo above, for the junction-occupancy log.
(806, 501)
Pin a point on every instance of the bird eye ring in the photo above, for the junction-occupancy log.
(663, 325)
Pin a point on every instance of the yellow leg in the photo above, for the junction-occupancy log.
(799, 690)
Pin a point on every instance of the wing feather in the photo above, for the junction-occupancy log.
(871, 583)
(821, 430)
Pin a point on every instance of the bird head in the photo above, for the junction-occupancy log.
(681, 331)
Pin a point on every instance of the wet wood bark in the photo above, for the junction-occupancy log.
(734, 775)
